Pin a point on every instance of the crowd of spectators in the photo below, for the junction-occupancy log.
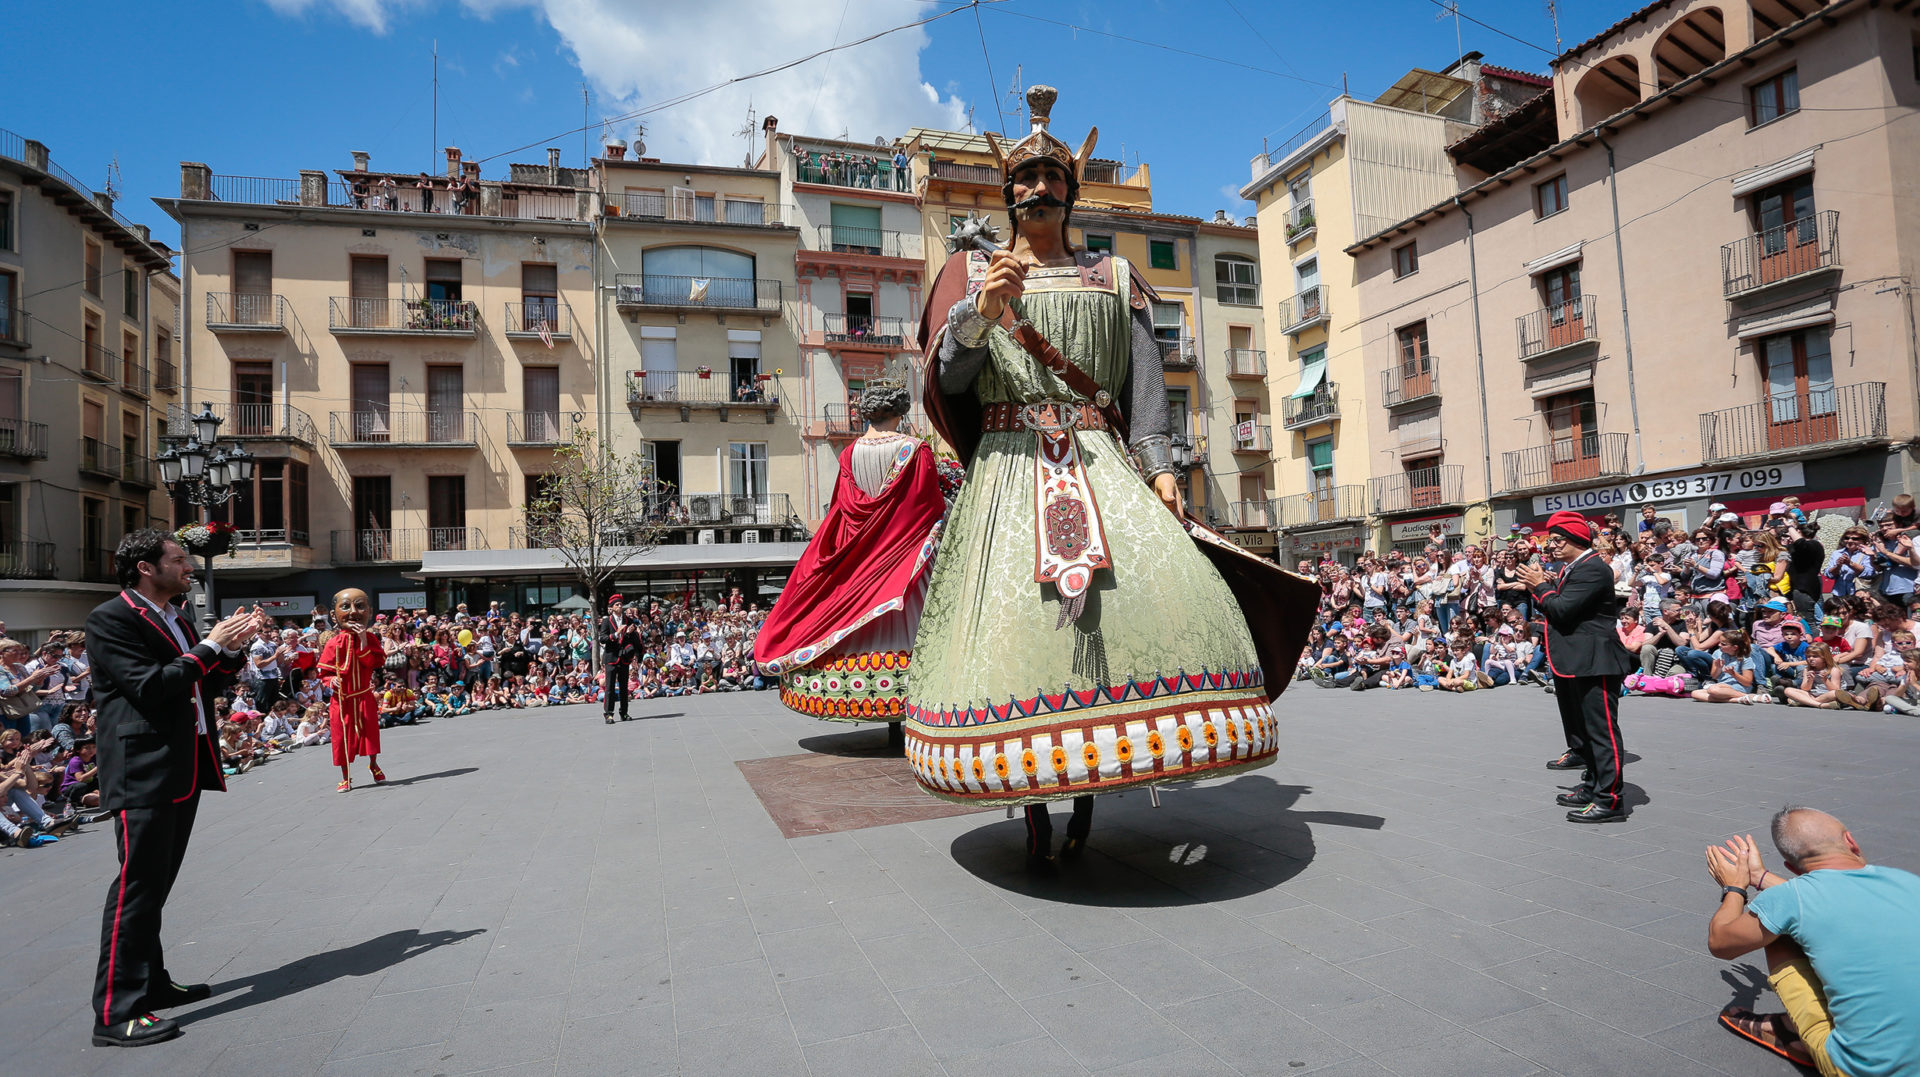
(879, 172)
(1781, 608)
(437, 666)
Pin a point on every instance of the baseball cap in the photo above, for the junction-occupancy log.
(1793, 623)
(1778, 508)
(1716, 507)
(1830, 622)
(1776, 603)
(1505, 630)
(1729, 518)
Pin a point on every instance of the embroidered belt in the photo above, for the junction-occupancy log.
(1048, 415)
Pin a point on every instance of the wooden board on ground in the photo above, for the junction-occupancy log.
(826, 794)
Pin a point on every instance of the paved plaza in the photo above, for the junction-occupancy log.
(539, 893)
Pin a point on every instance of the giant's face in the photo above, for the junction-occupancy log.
(1047, 179)
(351, 608)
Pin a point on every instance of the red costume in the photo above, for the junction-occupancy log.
(354, 715)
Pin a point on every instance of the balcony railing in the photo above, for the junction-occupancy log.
(1563, 325)
(1304, 311)
(1407, 383)
(1246, 363)
(136, 470)
(857, 171)
(849, 239)
(676, 388)
(166, 376)
(872, 330)
(256, 190)
(529, 316)
(1570, 459)
(723, 211)
(134, 377)
(387, 544)
(266, 422)
(13, 326)
(246, 312)
(954, 170)
(722, 510)
(98, 361)
(1419, 488)
(27, 561)
(96, 565)
(1791, 250)
(1322, 406)
(675, 292)
(1252, 438)
(1300, 220)
(392, 426)
(1252, 514)
(844, 421)
(403, 317)
(539, 427)
(1317, 508)
(23, 440)
(1792, 423)
(99, 459)
(1179, 353)
(279, 536)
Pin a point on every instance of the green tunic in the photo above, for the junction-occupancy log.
(1157, 680)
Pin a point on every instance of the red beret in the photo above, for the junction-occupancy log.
(614, 600)
(1572, 525)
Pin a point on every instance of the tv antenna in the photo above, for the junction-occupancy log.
(1553, 12)
(1452, 7)
(113, 178)
(1018, 94)
(747, 132)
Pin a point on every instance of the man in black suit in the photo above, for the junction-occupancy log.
(619, 647)
(1587, 661)
(154, 683)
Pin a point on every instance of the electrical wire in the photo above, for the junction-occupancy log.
(1169, 48)
(993, 83)
(837, 27)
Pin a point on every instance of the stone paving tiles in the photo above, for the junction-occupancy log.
(1398, 895)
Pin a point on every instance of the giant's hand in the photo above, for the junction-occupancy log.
(1006, 281)
(1168, 491)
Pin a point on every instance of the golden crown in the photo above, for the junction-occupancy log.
(1040, 142)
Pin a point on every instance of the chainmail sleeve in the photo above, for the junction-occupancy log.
(963, 347)
(1146, 394)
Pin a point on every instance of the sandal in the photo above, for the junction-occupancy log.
(1761, 1028)
(345, 785)
(379, 776)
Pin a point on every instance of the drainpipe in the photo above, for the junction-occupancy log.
(1479, 360)
(1626, 324)
(598, 236)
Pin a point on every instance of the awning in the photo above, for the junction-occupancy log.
(1311, 375)
(1767, 175)
(1768, 322)
(442, 564)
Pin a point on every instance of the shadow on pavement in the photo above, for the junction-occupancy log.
(1206, 844)
(429, 777)
(360, 959)
(865, 740)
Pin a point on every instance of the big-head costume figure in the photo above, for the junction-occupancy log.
(1080, 634)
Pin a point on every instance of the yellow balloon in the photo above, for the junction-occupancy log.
(466, 637)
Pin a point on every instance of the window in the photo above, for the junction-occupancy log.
(129, 291)
(13, 323)
(12, 403)
(1177, 412)
(1800, 390)
(443, 280)
(446, 399)
(163, 373)
(855, 229)
(743, 359)
(130, 363)
(1235, 280)
(369, 385)
(1775, 97)
(1098, 242)
(747, 469)
(1573, 435)
(729, 274)
(1414, 357)
(954, 221)
(252, 399)
(539, 295)
(10, 513)
(6, 220)
(1550, 197)
(1406, 261)
(93, 267)
(1300, 189)
(93, 537)
(367, 292)
(297, 501)
(1160, 254)
(446, 512)
(1320, 465)
(1169, 321)
(96, 357)
(540, 389)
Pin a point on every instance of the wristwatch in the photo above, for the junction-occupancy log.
(1741, 890)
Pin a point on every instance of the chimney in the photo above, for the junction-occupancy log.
(1260, 164)
(453, 162)
(104, 201)
(617, 149)
(1220, 217)
(196, 181)
(360, 159)
(1250, 222)
(770, 127)
(145, 233)
(553, 166)
(472, 169)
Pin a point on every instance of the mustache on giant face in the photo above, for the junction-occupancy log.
(1038, 201)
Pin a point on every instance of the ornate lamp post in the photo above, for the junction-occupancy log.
(197, 469)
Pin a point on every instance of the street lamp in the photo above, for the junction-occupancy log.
(197, 469)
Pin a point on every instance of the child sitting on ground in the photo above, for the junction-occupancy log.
(1463, 673)
(1819, 681)
(312, 728)
(1732, 673)
(1502, 661)
(1905, 697)
(457, 699)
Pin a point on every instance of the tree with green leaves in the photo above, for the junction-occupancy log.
(596, 509)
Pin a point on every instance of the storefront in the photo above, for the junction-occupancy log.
(1413, 536)
(1264, 543)
(1849, 485)
(537, 581)
(1342, 544)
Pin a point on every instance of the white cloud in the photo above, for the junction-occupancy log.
(372, 14)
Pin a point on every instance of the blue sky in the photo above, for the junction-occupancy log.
(268, 87)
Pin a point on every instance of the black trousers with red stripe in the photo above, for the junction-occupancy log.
(1040, 825)
(151, 842)
(1590, 717)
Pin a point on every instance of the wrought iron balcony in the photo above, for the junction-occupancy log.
(133, 377)
(255, 190)
(96, 565)
(855, 171)
(871, 330)
(23, 440)
(246, 312)
(537, 428)
(1419, 488)
(954, 170)
(1564, 325)
(1321, 407)
(1252, 514)
(166, 376)
(1792, 423)
(690, 388)
(529, 316)
(850, 239)
(403, 317)
(1789, 251)
(1247, 363)
(13, 326)
(1304, 311)
(1319, 508)
(401, 544)
(99, 459)
(1572, 459)
(720, 211)
(99, 362)
(27, 561)
(279, 536)
(1179, 353)
(136, 470)
(1300, 223)
(260, 422)
(1410, 383)
(1252, 438)
(722, 510)
(665, 291)
(843, 421)
(387, 427)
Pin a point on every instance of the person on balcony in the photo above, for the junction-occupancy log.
(425, 186)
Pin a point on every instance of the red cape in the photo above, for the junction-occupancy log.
(868, 554)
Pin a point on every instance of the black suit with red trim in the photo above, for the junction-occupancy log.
(153, 765)
(1588, 665)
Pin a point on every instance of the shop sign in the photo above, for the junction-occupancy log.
(1708, 484)
(1252, 540)
(283, 606)
(1418, 530)
(393, 600)
(1322, 543)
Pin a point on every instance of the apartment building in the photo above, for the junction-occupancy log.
(87, 305)
(1362, 167)
(1232, 425)
(1642, 285)
(402, 358)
